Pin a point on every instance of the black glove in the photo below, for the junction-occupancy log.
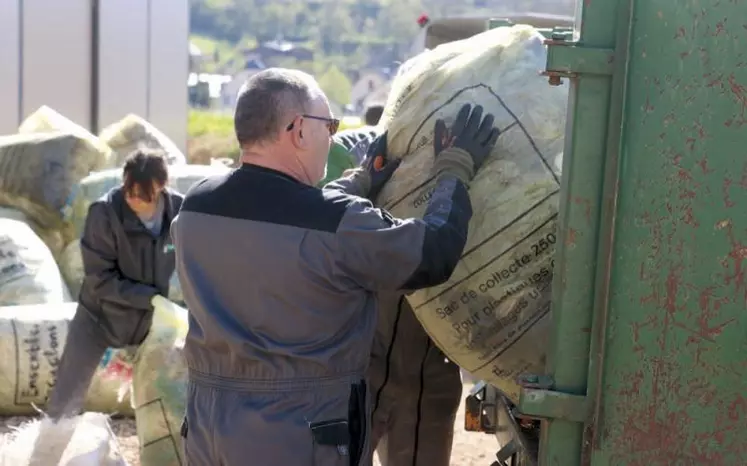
(378, 166)
(470, 133)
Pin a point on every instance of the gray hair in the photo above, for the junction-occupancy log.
(269, 100)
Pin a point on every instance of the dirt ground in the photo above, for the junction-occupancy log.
(469, 449)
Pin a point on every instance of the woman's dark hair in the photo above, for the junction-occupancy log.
(141, 169)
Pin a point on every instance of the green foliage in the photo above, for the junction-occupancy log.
(336, 85)
(354, 29)
(211, 135)
(212, 123)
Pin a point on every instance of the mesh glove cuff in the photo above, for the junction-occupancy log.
(455, 161)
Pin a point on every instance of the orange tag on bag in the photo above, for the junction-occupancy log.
(378, 162)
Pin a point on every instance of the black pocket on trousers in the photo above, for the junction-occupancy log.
(184, 430)
(331, 442)
(357, 421)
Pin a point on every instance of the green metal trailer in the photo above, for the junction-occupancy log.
(649, 357)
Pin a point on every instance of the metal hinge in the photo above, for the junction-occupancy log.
(569, 59)
(538, 400)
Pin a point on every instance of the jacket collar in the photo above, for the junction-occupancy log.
(130, 220)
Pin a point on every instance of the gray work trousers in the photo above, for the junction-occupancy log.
(416, 391)
(324, 424)
(84, 348)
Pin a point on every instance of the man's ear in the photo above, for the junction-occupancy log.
(297, 135)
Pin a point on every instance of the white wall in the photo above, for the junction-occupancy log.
(10, 46)
(169, 64)
(123, 64)
(56, 63)
(143, 54)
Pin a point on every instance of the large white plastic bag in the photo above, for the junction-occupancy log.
(133, 132)
(39, 173)
(492, 316)
(28, 272)
(160, 386)
(84, 440)
(71, 267)
(46, 119)
(54, 239)
(32, 340)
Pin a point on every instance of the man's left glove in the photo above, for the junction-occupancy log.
(377, 165)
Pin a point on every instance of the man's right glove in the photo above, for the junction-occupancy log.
(462, 150)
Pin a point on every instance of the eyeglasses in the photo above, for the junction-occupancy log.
(333, 124)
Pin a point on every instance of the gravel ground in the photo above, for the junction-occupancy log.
(470, 449)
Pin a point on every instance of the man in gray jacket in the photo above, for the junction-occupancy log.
(281, 278)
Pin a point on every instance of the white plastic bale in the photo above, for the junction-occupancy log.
(39, 173)
(32, 340)
(84, 440)
(46, 119)
(71, 267)
(492, 317)
(175, 290)
(28, 271)
(159, 385)
(54, 239)
(133, 132)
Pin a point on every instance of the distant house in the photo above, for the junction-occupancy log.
(279, 48)
(205, 88)
(230, 90)
(196, 58)
(371, 86)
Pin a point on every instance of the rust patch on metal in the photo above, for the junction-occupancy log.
(472, 423)
(587, 207)
(739, 91)
(735, 274)
(570, 238)
(725, 189)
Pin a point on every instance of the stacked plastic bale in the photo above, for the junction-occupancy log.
(133, 132)
(32, 341)
(49, 173)
(39, 170)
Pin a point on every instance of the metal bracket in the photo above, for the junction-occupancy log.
(479, 411)
(537, 400)
(568, 59)
(489, 411)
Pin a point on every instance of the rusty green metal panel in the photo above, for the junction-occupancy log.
(658, 342)
(674, 375)
(650, 303)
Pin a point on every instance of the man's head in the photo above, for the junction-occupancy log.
(283, 121)
(144, 178)
(373, 114)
